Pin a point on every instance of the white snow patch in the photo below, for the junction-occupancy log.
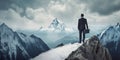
(59, 53)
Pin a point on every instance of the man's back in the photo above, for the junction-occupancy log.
(81, 24)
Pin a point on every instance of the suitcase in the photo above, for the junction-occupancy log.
(87, 31)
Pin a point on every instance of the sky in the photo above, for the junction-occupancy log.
(32, 14)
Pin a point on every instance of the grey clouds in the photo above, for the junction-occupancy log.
(103, 7)
(23, 4)
(39, 13)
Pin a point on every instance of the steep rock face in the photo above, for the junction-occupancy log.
(110, 38)
(90, 50)
(18, 46)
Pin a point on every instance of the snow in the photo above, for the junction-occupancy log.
(112, 33)
(59, 53)
(56, 26)
(11, 42)
(55, 31)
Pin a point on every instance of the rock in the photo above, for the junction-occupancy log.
(91, 49)
(60, 45)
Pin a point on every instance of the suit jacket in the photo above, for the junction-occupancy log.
(82, 24)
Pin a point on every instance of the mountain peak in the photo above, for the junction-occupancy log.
(4, 27)
(118, 25)
(110, 38)
(57, 25)
(16, 42)
(55, 21)
(90, 50)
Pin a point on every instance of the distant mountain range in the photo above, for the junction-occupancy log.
(55, 31)
(57, 26)
(110, 38)
(19, 46)
(72, 38)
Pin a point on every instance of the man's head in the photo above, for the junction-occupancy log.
(82, 15)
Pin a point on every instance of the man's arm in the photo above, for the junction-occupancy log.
(78, 24)
(86, 24)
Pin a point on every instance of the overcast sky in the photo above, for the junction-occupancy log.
(32, 14)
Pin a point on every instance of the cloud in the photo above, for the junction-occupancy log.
(22, 5)
(41, 16)
(96, 11)
(66, 10)
(6, 4)
(41, 12)
(16, 22)
(103, 7)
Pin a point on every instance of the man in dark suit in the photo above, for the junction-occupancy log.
(82, 26)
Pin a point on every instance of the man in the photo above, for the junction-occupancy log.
(82, 26)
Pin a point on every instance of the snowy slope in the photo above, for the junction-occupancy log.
(18, 46)
(112, 33)
(110, 38)
(59, 53)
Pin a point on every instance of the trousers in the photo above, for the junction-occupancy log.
(81, 35)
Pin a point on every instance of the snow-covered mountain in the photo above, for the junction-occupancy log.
(110, 38)
(18, 46)
(57, 26)
(56, 30)
(112, 33)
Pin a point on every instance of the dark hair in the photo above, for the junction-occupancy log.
(82, 15)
